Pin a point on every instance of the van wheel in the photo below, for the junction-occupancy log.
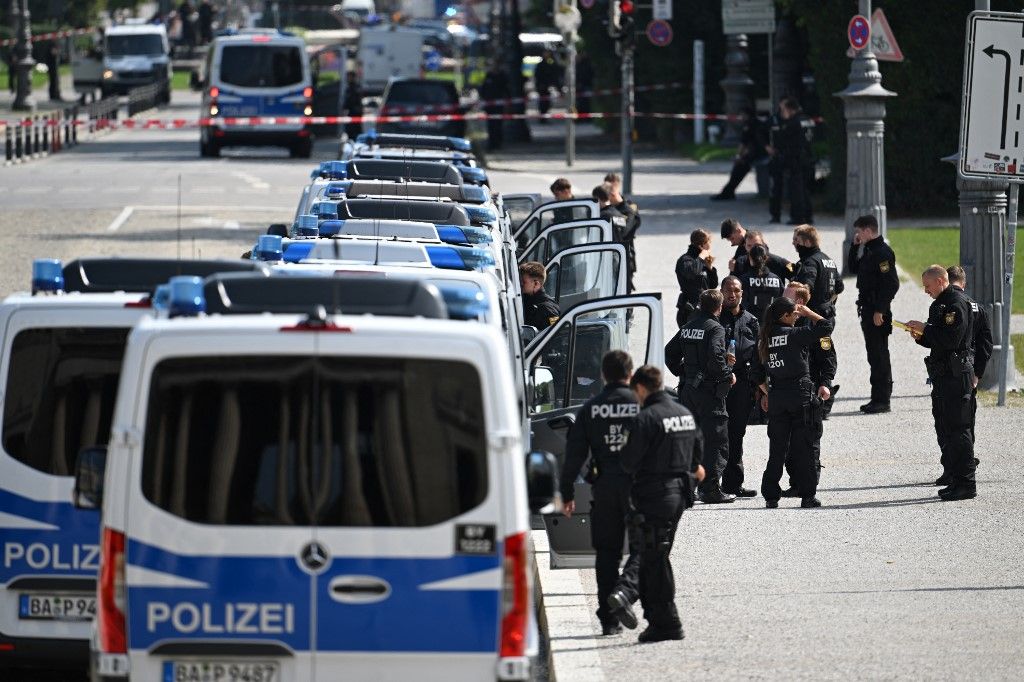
(302, 149)
(209, 149)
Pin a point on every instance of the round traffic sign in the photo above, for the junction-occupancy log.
(659, 32)
(586, 4)
(859, 32)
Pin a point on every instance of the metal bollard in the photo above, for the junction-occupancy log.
(8, 143)
(74, 125)
(19, 135)
(46, 133)
(36, 142)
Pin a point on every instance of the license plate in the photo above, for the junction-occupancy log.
(228, 110)
(56, 607)
(221, 671)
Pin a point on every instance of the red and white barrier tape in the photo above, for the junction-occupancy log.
(52, 36)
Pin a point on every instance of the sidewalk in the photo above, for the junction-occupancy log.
(867, 585)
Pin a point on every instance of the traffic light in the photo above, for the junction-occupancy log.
(621, 20)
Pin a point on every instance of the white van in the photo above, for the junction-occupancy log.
(60, 358)
(322, 497)
(136, 55)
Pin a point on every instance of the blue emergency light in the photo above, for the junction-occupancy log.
(331, 170)
(481, 214)
(162, 297)
(186, 296)
(47, 275)
(268, 248)
(306, 226)
(463, 303)
(461, 144)
(329, 228)
(464, 234)
(325, 210)
(450, 257)
(337, 189)
(473, 174)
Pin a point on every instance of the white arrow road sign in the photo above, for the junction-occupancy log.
(991, 121)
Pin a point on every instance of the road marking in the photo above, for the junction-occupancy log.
(121, 218)
(207, 208)
(253, 181)
(231, 225)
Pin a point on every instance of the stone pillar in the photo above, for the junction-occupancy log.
(23, 58)
(737, 84)
(864, 107)
(982, 251)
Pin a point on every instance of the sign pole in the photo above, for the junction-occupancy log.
(1011, 247)
(698, 91)
(626, 131)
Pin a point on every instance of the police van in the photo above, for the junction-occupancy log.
(314, 496)
(60, 358)
(255, 73)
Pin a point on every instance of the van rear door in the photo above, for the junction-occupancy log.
(583, 273)
(262, 78)
(409, 520)
(221, 561)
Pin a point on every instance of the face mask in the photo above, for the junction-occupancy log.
(805, 251)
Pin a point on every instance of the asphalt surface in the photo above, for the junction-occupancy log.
(884, 581)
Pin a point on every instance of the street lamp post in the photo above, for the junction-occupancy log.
(23, 55)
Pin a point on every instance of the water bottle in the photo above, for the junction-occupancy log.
(732, 347)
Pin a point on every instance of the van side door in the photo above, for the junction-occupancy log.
(553, 213)
(583, 273)
(559, 237)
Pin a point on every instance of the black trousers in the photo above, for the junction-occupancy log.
(792, 432)
(710, 413)
(876, 343)
(660, 502)
(740, 167)
(610, 521)
(495, 131)
(799, 178)
(738, 404)
(953, 412)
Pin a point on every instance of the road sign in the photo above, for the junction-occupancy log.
(883, 42)
(991, 128)
(748, 16)
(659, 32)
(859, 32)
(662, 9)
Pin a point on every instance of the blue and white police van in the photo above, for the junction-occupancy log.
(314, 497)
(60, 360)
(251, 73)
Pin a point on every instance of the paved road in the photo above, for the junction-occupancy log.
(884, 581)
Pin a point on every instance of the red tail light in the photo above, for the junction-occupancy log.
(111, 593)
(214, 92)
(317, 327)
(307, 93)
(515, 597)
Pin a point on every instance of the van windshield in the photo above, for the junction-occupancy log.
(420, 92)
(134, 44)
(315, 441)
(261, 65)
(60, 394)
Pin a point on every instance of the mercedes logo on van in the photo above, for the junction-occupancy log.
(314, 557)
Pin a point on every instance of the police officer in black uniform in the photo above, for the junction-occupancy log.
(948, 333)
(539, 309)
(817, 271)
(600, 431)
(662, 452)
(613, 183)
(877, 284)
(741, 331)
(784, 375)
(695, 272)
(778, 265)
(760, 285)
(981, 346)
(705, 381)
(736, 234)
(792, 163)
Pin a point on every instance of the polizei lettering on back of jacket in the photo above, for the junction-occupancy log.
(614, 410)
(692, 334)
(679, 423)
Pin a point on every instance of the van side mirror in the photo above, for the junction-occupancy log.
(528, 333)
(542, 387)
(90, 467)
(541, 479)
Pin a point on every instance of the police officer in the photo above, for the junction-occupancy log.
(949, 335)
(784, 376)
(613, 183)
(603, 197)
(736, 234)
(695, 272)
(600, 432)
(822, 363)
(740, 327)
(817, 271)
(778, 265)
(877, 284)
(982, 343)
(792, 163)
(539, 309)
(705, 381)
(662, 452)
(760, 285)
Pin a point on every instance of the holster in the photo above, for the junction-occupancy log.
(697, 380)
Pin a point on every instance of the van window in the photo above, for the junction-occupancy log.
(261, 66)
(315, 441)
(60, 394)
(134, 44)
(408, 93)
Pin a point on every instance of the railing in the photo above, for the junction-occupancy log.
(40, 134)
(144, 97)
